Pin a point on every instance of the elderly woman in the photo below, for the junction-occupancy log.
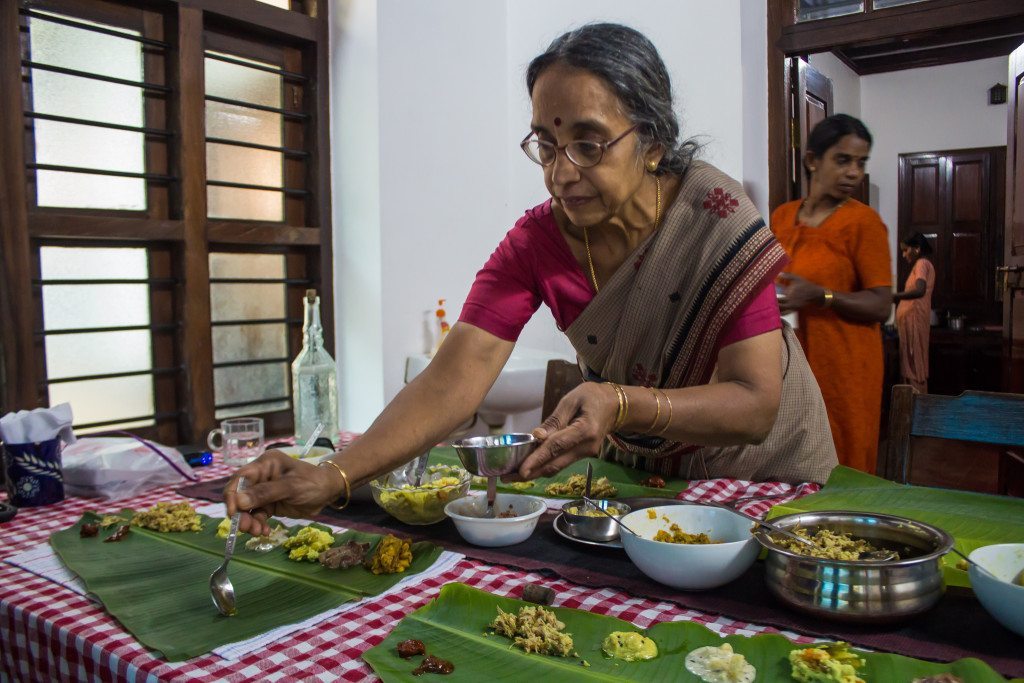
(660, 272)
(840, 282)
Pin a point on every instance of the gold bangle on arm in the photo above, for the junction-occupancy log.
(620, 418)
(344, 479)
(827, 298)
(657, 415)
(668, 420)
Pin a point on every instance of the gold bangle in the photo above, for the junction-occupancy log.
(618, 415)
(344, 478)
(668, 421)
(625, 407)
(827, 298)
(657, 415)
(620, 418)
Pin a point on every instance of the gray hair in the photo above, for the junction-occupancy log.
(630, 64)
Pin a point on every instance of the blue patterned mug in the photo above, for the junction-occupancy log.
(34, 475)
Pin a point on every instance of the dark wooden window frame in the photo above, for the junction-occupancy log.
(174, 226)
(787, 38)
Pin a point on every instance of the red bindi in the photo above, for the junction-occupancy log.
(558, 121)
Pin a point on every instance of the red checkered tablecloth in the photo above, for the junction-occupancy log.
(50, 633)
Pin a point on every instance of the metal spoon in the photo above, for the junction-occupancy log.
(605, 512)
(492, 493)
(972, 562)
(767, 525)
(590, 477)
(221, 590)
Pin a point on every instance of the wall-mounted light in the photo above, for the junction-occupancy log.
(997, 94)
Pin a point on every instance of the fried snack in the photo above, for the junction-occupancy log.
(392, 556)
(574, 486)
(677, 535)
(534, 629)
(308, 544)
(168, 517)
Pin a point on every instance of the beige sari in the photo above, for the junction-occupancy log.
(658, 320)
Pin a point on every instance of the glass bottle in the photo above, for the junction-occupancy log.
(314, 379)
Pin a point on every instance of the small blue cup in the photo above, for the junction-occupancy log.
(34, 475)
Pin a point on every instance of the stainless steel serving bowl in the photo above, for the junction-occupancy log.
(493, 456)
(596, 527)
(860, 590)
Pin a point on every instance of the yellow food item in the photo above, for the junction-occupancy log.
(168, 517)
(588, 511)
(677, 535)
(520, 485)
(111, 520)
(574, 486)
(308, 543)
(720, 665)
(831, 663)
(962, 565)
(224, 528)
(424, 503)
(651, 514)
(392, 556)
(829, 545)
(629, 646)
(534, 629)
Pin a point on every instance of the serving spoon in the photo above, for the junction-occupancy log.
(591, 503)
(221, 590)
(767, 525)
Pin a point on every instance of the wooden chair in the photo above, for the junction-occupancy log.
(993, 420)
(561, 378)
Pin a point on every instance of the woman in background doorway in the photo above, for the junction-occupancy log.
(913, 314)
(840, 282)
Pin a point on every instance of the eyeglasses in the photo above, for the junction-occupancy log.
(582, 153)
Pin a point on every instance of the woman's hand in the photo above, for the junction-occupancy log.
(574, 430)
(277, 484)
(798, 293)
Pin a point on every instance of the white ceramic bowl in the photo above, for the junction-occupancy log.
(690, 566)
(1002, 599)
(499, 531)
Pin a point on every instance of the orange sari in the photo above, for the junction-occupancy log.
(913, 320)
(848, 252)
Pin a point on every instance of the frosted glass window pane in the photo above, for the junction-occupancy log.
(243, 165)
(85, 306)
(824, 9)
(250, 383)
(86, 146)
(99, 400)
(69, 144)
(246, 302)
(255, 205)
(237, 82)
(83, 50)
(98, 353)
(254, 409)
(283, 4)
(233, 265)
(241, 123)
(81, 98)
(93, 263)
(85, 191)
(249, 342)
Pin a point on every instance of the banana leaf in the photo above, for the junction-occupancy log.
(972, 519)
(625, 479)
(158, 584)
(454, 626)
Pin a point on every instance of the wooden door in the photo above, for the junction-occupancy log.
(1013, 250)
(955, 198)
(810, 102)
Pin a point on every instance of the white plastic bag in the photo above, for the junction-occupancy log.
(120, 467)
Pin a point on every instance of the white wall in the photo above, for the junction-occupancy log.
(923, 110)
(429, 106)
(845, 82)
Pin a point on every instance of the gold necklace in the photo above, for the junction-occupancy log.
(657, 221)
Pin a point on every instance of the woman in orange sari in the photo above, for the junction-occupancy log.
(840, 283)
(913, 314)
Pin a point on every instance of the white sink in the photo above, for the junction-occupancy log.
(518, 389)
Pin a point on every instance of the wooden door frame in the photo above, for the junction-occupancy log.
(786, 38)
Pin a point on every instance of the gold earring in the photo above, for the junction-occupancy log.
(652, 166)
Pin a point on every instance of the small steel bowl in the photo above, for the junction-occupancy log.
(863, 591)
(495, 455)
(593, 528)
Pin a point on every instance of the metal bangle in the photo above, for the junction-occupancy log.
(657, 415)
(668, 421)
(344, 478)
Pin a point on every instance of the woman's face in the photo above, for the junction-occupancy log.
(573, 104)
(909, 253)
(840, 170)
